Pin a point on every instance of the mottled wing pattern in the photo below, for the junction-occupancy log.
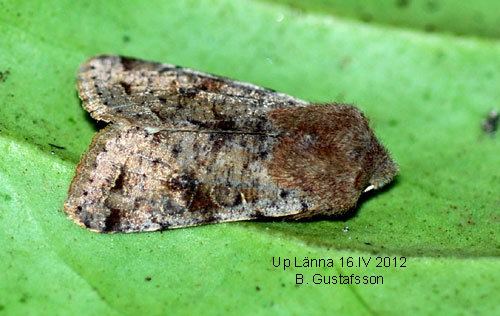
(131, 180)
(120, 89)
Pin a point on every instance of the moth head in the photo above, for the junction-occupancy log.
(384, 171)
(330, 152)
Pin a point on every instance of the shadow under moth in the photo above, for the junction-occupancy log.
(185, 148)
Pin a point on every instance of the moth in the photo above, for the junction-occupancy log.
(185, 148)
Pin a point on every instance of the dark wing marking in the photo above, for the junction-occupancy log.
(132, 181)
(120, 89)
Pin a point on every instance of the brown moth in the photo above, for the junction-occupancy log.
(185, 148)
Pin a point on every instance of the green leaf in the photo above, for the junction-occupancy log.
(425, 94)
(471, 18)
